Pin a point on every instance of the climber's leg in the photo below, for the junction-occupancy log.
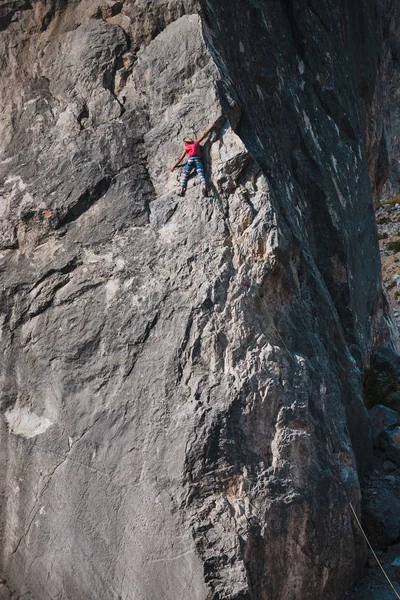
(185, 176)
(200, 170)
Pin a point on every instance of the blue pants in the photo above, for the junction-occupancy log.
(193, 163)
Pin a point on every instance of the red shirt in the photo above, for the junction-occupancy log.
(193, 149)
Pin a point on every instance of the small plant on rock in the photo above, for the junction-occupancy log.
(394, 200)
(393, 246)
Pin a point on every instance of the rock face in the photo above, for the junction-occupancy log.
(391, 444)
(382, 380)
(391, 76)
(389, 241)
(382, 511)
(181, 382)
(382, 418)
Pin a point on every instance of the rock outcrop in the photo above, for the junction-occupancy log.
(182, 379)
(391, 80)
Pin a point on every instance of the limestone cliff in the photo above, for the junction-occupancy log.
(181, 385)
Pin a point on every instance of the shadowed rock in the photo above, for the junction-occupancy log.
(181, 392)
(382, 418)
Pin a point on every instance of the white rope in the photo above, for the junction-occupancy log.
(372, 550)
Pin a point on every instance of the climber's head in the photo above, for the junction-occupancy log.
(187, 140)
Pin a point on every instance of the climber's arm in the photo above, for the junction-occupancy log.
(180, 159)
(205, 134)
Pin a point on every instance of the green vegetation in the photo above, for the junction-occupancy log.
(383, 221)
(393, 201)
(393, 246)
(382, 236)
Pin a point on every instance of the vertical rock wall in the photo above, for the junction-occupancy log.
(390, 69)
(181, 379)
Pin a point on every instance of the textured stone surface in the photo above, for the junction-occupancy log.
(391, 70)
(181, 380)
(382, 379)
(388, 221)
(390, 442)
(382, 418)
(381, 517)
(375, 586)
(396, 569)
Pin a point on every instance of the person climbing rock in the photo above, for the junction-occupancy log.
(193, 150)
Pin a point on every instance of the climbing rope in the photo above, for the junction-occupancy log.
(193, 130)
(217, 198)
(372, 550)
(219, 204)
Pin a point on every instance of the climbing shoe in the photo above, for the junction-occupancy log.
(181, 192)
(205, 191)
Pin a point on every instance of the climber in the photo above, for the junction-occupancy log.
(193, 150)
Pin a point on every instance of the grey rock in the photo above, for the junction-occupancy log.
(392, 77)
(395, 568)
(382, 418)
(379, 594)
(389, 466)
(374, 583)
(181, 393)
(9, 9)
(390, 442)
(382, 381)
(381, 517)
